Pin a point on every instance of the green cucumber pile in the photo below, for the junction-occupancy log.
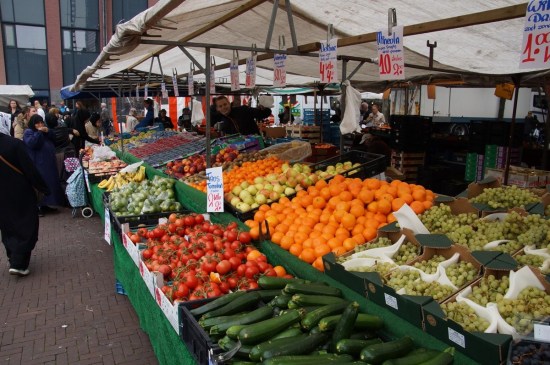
(296, 322)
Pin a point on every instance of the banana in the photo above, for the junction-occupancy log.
(111, 185)
(103, 184)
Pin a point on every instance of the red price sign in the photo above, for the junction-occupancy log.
(391, 62)
(327, 61)
(535, 49)
(538, 46)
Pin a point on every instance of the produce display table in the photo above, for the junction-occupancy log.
(166, 343)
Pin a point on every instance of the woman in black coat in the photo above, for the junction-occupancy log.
(18, 204)
(78, 122)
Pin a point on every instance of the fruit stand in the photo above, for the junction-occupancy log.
(420, 312)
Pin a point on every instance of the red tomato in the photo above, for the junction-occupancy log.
(189, 221)
(223, 267)
(147, 253)
(263, 266)
(182, 291)
(135, 238)
(142, 232)
(172, 228)
(232, 225)
(253, 285)
(164, 270)
(230, 235)
(199, 218)
(270, 272)
(191, 281)
(251, 272)
(228, 253)
(224, 287)
(235, 262)
(172, 217)
(245, 237)
(241, 270)
(232, 282)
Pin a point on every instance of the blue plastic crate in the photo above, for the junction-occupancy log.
(119, 288)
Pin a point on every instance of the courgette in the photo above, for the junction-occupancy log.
(267, 295)
(378, 353)
(216, 303)
(298, 347)
(363, 335)
(273, 282)
(354, 347)
(257, 350)
(415, 358)
(311, 319)
(257, 315)
(241, 303)
(209, 322)
(264, 330)
(228, 344)
(290, 332)
(326, 359)
(233, 331)
(363, 321)
(312, 289)
(443, 358)
(344, 327)
(304, 300)
(280, 301)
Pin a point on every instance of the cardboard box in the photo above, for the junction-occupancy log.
(170, 310)
(131, 248)
(486, 348)
(147, 277)
(540, 208)
(275, 132)
(524, 178)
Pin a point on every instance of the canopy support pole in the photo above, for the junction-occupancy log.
(207, 96)
(150, 70)
(343, 100)
(517, 82)
(271, 23)
(356, 69)
(193, 59)
(291, 25)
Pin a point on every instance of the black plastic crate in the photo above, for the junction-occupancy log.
(198, 342)
(371, 164)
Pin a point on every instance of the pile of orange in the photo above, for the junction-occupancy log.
(248, 171)
(336, 216)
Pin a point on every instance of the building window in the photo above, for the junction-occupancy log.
(79, 14)
(124, 10)
(19, 11)
(80, 41)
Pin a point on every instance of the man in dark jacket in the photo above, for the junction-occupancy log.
(18, 203)
(240, 119)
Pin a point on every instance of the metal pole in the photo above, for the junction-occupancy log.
(207, 96)
(517, 81)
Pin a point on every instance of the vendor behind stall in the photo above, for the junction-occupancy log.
(376, 118)
(239, 119)
(149, 118)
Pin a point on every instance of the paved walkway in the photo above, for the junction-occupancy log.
(67, 311)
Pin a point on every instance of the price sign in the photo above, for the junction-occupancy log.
(535, 49)
(190, 84)
(279, 70)
(251, 72)
(175, 84)
(214, 189)
(107, 231)
(234, 72)
(212, 79)
(328, 67)
(146, 92)
(391, 58)
(163, 90)
(137, 91)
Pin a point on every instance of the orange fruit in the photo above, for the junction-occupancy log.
(300, 237)
(418, 207)
(407, 198)
(334, 242)
(308, 255)
(259, 216)
(372, 184)
(391, 218)
(319, 202)
(325, 193)
(358, 238)
(366, 196)
(384, 206)
(308, 243)
(318, 264)
(340, 250)
(295, 249)
(264, 207)
(381, 218)
(369, 233)
(253, 255)
(397, 203)
(343, 205)
(357, 210)
(419, 195)
(320, 184)
(281, 271)
(335, 190)
(282, 227)
(255, 232)
(358, 228)
(348, 221)
(345, 196)
(286, 242)
(321, 250)
(277, 237)
(341, 233)
(349, 244)
(373, 207)
(427, 204)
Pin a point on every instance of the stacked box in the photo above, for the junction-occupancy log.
(471, 163)
(515, 156)
(490, 159)
(480, 168)
(310, 116)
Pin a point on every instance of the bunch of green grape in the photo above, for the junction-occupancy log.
(383, 268)
(530, 260)
(464, 315)
(532, 304)
(489, 290)
(399, 278)
(408, 251)
(378, 242)
(429, 266)
(461, 273)
(506, 197)
(434, 289)
(547, 210)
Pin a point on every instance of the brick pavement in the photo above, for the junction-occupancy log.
(67, 311)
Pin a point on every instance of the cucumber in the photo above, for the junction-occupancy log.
(240, 362)
(443, 358)
(413, 358)
(354, 347)
(298, 347)
(363, 335)
(317, 330)
(344, 327)
(274, 282)
(280, 301)
(312, 289)
(241, 303)
(255, 316)
(217, 303)
(262, 331)
(292, 331)
(257, 351)
(227, 344)
(326, 359)
(233, 331)
(292, 304)
(303, 300)
(363, 321)
(311, 319)
(378, 353)
(267, 295)
(209, 322)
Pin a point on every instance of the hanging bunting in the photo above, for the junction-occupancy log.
(251, 70)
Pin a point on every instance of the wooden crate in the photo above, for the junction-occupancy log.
(309, 133)
(408, 163)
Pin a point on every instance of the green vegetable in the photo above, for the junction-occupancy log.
(217, 303)
(443, 358)
(233, 331)
(274, 282)
(413, 358)
(303, 300)
(363, 321)
(255, 316)
(257, 351)
(267, 295)
(237, 305)
(344, 327)
(312, 289)
(280, 301)
(327, 359)
(262, 331)
(378, 353)
(354, 347)
(312, 318)
(209, 322)
(298, 347)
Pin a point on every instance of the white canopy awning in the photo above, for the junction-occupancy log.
(491, 49)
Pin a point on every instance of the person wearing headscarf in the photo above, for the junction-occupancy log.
(18, 203)
(78, 122)
(93, 127)
(39, 140)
